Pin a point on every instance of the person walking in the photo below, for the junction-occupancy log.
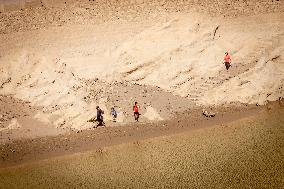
(136, 111)
(227, 60)
(114, 114)
(100, 118)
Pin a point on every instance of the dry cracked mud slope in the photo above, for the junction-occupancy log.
(69, 56)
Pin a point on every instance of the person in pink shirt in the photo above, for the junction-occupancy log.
(227, 60)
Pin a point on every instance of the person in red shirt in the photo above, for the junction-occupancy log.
(136, 111)
(227, 60)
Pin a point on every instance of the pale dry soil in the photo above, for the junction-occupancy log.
(245, 153)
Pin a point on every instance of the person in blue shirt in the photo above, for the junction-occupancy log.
(114, 114)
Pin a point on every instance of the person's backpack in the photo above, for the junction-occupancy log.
(100, 113)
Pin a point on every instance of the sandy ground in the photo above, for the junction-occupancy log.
(17, 150)
(244, 153)
(60, 59)
(19, 120)
(45, 142)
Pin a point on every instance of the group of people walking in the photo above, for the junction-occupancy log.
(100, 112)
